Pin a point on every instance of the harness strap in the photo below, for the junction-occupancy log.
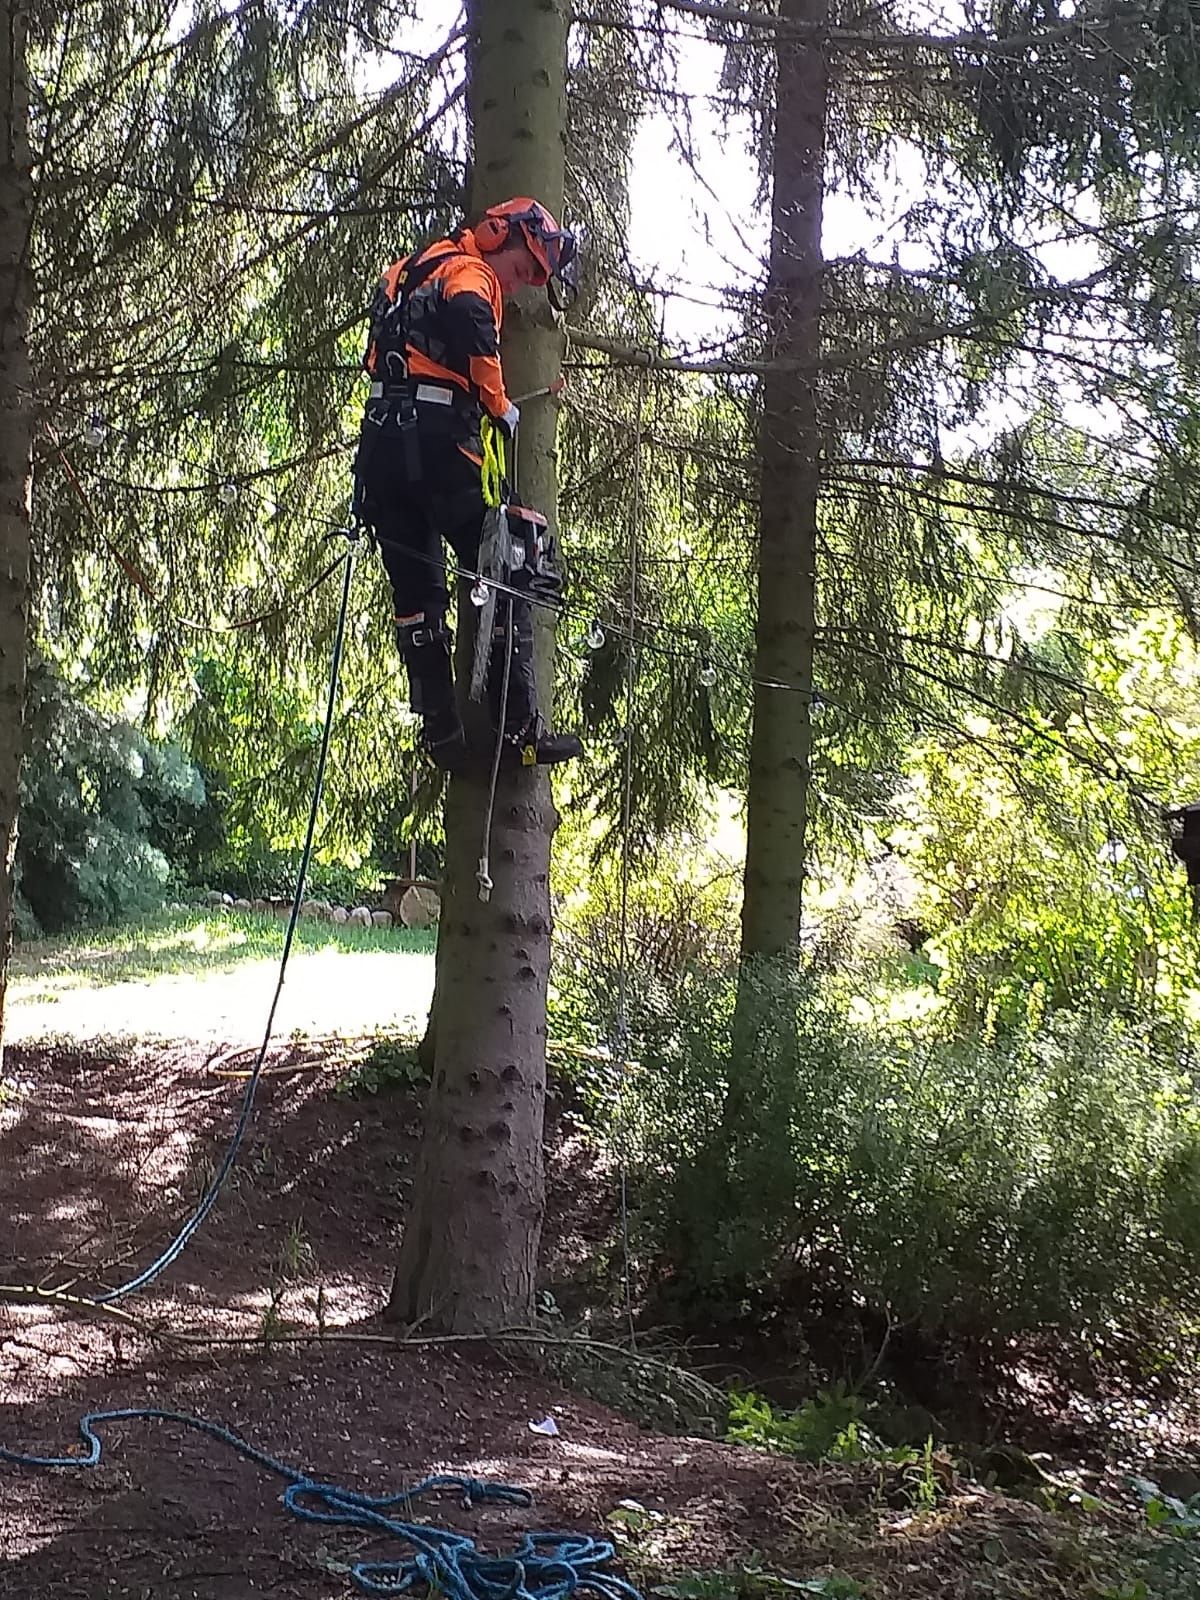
(413, 274)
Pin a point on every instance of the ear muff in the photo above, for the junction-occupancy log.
(555, 250)
(492, 233)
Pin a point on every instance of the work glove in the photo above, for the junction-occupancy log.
(508, 422)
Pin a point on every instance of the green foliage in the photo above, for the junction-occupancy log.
(1050, 1177)
(391, 1065)
(1165, 1511)
(1167, 1566)
(832, 1426)
(828, 1427)
(257, 871)
(101, 809)
(1043, 886)
(680, 917)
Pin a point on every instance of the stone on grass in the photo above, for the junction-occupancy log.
(339, 915)
(381, 919)
(419, 908)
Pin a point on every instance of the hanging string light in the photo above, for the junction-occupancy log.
(595, 635)
(707, 673)
(228, 492)
(96, 431)
(479, 593)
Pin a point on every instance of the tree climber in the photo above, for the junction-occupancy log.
(434, 355)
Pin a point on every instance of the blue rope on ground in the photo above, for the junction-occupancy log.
(544, 1566)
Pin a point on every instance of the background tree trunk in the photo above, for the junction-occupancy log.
(750, 1156)
(468, 1260)
(780, 746)
(16, 436)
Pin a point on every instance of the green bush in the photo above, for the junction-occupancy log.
(101, 807)
(674, 925)
(1049, 1178)
(256, 870)
(391, 1065)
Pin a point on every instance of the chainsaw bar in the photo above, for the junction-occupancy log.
(492, 569)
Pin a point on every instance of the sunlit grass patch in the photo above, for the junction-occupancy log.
(192, 941)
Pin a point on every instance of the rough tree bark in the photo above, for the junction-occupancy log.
(16, 436)
(754, 1135)
(468, 1259)
(780, 746)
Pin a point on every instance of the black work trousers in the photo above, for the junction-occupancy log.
(410, 519)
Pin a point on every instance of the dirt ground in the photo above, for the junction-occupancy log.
(102, 1152)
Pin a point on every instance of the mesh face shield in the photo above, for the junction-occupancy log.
(563, 257)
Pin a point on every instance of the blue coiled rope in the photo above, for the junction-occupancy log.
(544, 1566)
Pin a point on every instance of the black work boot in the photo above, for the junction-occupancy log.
(527, 740)
(443, 740)
(538, 747)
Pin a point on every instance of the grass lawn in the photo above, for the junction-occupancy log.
(209, 973)
(195, 941)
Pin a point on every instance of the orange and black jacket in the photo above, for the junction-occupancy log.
(451, 322)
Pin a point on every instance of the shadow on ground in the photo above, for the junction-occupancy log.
(101, 1154)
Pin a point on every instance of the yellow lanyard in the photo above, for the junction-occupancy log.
(491, 473)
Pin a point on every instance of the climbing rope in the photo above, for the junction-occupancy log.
(210, 1196)
(492, 475)
(444, 1562)
(622, 1020)
(621, 1026)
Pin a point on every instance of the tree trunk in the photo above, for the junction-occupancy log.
(780, 746)
(16, 436)
(745, 1170)
(468, 1259)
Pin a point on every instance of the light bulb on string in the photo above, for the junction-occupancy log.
(96, 431)
(707, 673)
(228, 492)
(479, 593)
(595, 635)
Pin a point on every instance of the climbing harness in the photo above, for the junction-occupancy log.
(444, 1562)
(394, 394)
(385, 357)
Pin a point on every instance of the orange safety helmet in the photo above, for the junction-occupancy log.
(555, 249)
